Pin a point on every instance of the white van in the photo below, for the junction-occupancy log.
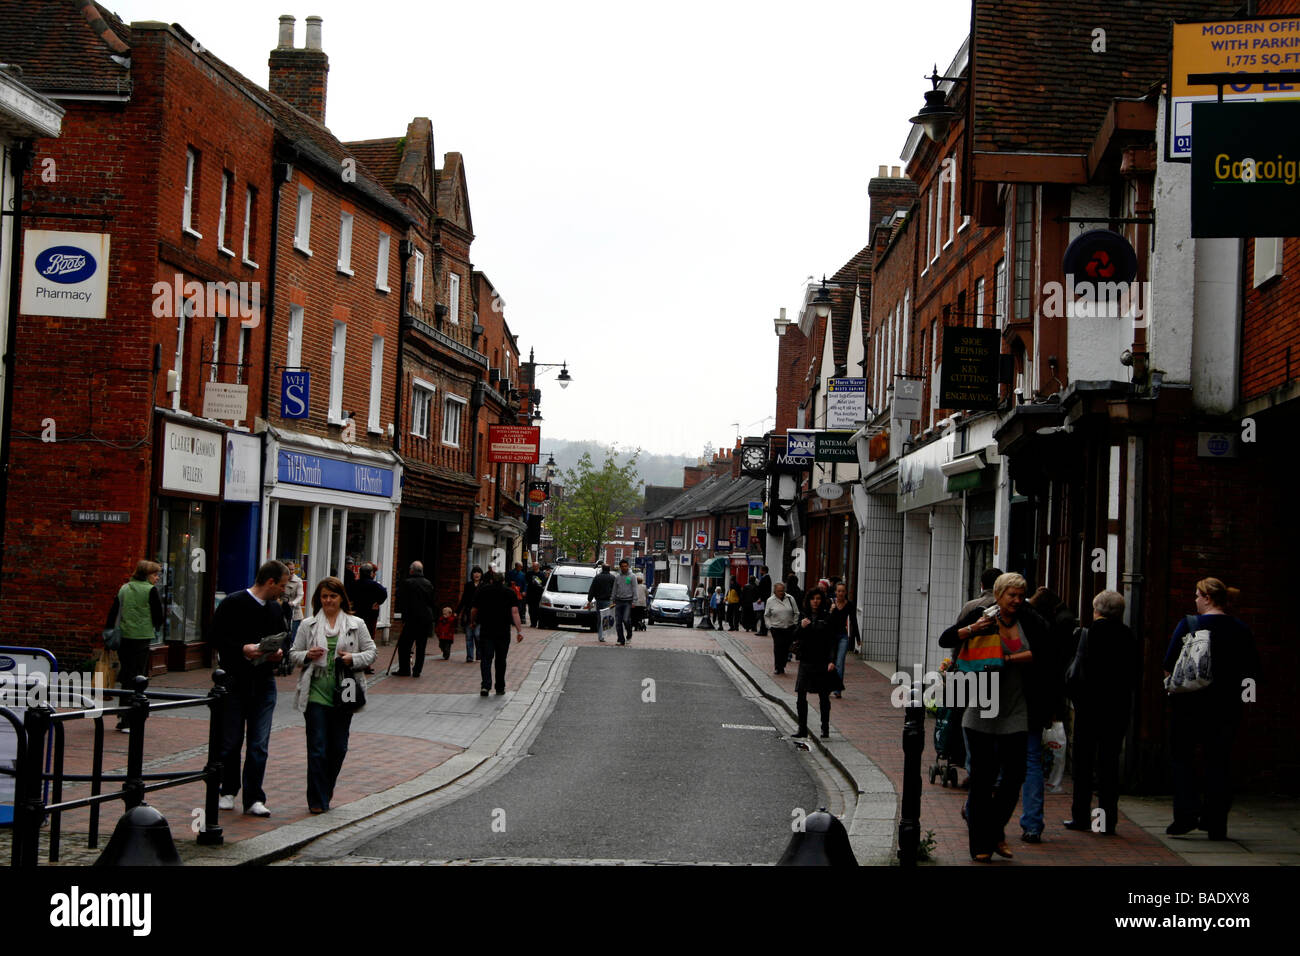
(564, 596)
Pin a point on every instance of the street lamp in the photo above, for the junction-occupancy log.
(936, 116)
(822, 301)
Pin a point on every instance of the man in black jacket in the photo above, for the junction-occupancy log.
(600, 593)
(764, 592)
(240, 623)
(533, 594)
(416, 601)
(366, 594)
(495, 611)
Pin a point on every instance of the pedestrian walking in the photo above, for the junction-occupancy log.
(716, 605)
(464, 611)
(733, 608)
(536, 584)
(792, 588)
(748, 598)
(329, 638)
(366, 595)
(623, 595)
(816, 663)
(240, 628)
(599, 593)
(446, 631)
(518, 579)
(997, 742)
(700, 595)
(843, 615)
(639, 605)
(764, 592)
(495, 611)
(1208, 717)
(1106, 667)
(781, 616)
(137, 613)
(1046, 699)
(415, 600)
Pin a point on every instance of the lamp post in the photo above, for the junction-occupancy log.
(936, 116)
(533, 397)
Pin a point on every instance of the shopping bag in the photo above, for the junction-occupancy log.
(1054, 755)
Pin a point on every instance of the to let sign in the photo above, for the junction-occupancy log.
(969, 378)
(846, 403)
(515, 444)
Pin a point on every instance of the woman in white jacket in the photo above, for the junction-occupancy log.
(330, 635)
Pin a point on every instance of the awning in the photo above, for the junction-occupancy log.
(714, 568)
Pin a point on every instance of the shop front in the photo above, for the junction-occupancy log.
(331, 508)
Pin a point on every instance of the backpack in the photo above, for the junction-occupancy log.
(1192, 670)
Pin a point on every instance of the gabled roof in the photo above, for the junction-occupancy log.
(854, 275)
(453, 193)
(66, 46)
(1039, 87)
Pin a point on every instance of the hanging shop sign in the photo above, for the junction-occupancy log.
(830, 490)
(1099, 256)
(969, 377)
(538, 490)
(243, 466)
(295, 394)
(192, 460)
(846, 403)
(835, 446)
(740, 539)
(1246, 169)
(65, 273)
(786, 463)
(225, 401)
(701, 539)
(878, 447)
(514, 444)
(678, 542)
(907, 399)
(660, 544)
(298, 468)
(756, 511)
(1264, 45)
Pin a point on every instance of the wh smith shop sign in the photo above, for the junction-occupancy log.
(297, 468)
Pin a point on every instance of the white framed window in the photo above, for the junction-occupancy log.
(223, 217)
(381, 262)
(417, 280)
(1268, 260)
(1000, 293)
(452, 406)
(618, 532)
(979, 303)
(345, 243)
(293, 355)
(191, 203)
(1024, 247)
(421, 407)
(929, 229)
(302, 229)
(618, 555)
(453, 298)
(636, 531)
(938, 217)
(338, 355)
(242, 351)
(376, 380)
(250, 207)
(952, 200)
(218, 328)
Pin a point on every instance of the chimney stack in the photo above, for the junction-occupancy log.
(298, 76)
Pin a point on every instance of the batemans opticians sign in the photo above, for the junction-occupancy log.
(1246, 169)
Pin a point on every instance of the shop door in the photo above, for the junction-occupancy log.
(183, 534)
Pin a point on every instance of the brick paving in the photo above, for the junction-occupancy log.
(869, 721)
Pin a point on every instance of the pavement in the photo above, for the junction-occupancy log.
(434, 737)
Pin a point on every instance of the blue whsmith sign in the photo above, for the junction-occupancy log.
(296, 468)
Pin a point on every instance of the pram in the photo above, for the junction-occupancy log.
(949, 746)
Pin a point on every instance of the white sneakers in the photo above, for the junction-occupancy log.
(226, 802)
(258, 809)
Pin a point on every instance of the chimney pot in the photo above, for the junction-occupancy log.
(883, 172)
(286, 32)
(313, 33)
(895, 172)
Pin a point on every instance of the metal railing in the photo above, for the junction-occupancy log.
(134, 708)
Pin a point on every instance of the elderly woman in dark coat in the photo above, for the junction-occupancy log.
(817, 643)
(999, 738)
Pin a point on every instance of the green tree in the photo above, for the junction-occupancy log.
(583, 519)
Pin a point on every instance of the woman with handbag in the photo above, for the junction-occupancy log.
(817, 643)
(996, 642)
(1207, 716)
(1100, 681)
(333, 648)
(137, 612)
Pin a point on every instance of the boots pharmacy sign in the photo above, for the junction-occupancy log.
(65, 274)
(1264, 45)
(1246, 170)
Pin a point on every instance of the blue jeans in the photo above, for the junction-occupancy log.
(841, 652)
(471, 636)
(249, 708)
(1031, 794)
(327, 745)
(623, 619)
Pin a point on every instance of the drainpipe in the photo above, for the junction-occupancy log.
(407, 249)
(19, 157)
(280, 173)
(475, 403)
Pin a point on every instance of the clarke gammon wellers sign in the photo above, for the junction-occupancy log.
(1246, 170)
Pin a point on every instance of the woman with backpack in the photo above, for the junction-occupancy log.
(1206, 711)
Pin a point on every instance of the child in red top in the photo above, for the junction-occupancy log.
(445, 629)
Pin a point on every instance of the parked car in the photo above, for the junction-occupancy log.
(564, 596)
(671, 604)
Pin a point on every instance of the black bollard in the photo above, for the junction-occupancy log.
(29, 802)
(141, 838)
(210, 833)
(823, 841)
(909, 822)
(138, 713)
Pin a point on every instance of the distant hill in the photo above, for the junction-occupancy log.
(652, 469)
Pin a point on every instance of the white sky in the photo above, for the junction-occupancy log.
(649, 184)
